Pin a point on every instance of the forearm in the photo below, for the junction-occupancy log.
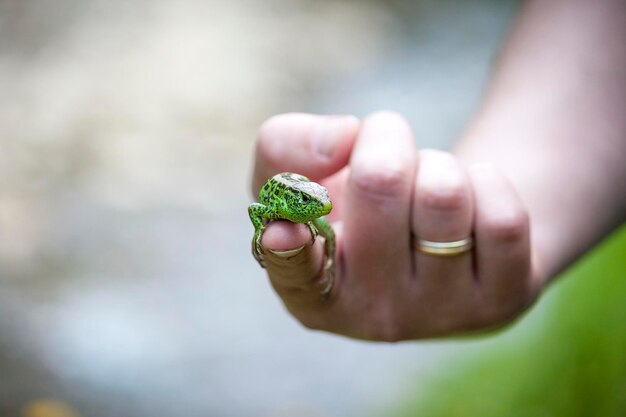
(554, 121)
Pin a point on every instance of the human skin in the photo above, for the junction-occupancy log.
(538, 178)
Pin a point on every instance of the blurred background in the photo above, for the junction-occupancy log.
(126, 283)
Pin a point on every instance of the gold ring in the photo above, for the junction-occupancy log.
(456, 247)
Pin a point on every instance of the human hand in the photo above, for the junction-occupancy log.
(385, 191)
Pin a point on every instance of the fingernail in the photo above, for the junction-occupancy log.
(330, 133)
(287, 253)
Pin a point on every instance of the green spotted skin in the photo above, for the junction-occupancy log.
(293, 197)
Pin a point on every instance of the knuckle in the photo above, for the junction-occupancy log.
(268, 128)
(380, 181)
(387, 332)
(503, 311)
(385, 324)
(310, 322)
(279, 135)
(507, 226)
(269, 144)
(499, 318)
(451, 197)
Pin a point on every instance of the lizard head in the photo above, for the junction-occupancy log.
(309, 201)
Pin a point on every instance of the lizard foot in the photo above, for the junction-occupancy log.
(328, 278)
(257, 252)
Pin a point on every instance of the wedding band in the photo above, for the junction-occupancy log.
(456, 247)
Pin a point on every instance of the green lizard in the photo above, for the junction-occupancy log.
(293, 197)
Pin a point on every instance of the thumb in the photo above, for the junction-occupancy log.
(295, 265)
(311, 145)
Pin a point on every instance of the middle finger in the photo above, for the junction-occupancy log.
(377, 204)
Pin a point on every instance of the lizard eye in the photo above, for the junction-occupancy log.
(305, 198)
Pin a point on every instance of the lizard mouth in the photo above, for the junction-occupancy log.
(327, 208)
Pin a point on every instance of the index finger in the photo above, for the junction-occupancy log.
(312, 145)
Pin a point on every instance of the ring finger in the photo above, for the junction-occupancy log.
(442, 212)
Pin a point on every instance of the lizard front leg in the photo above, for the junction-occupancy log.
(257, 211)
(313, 229)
